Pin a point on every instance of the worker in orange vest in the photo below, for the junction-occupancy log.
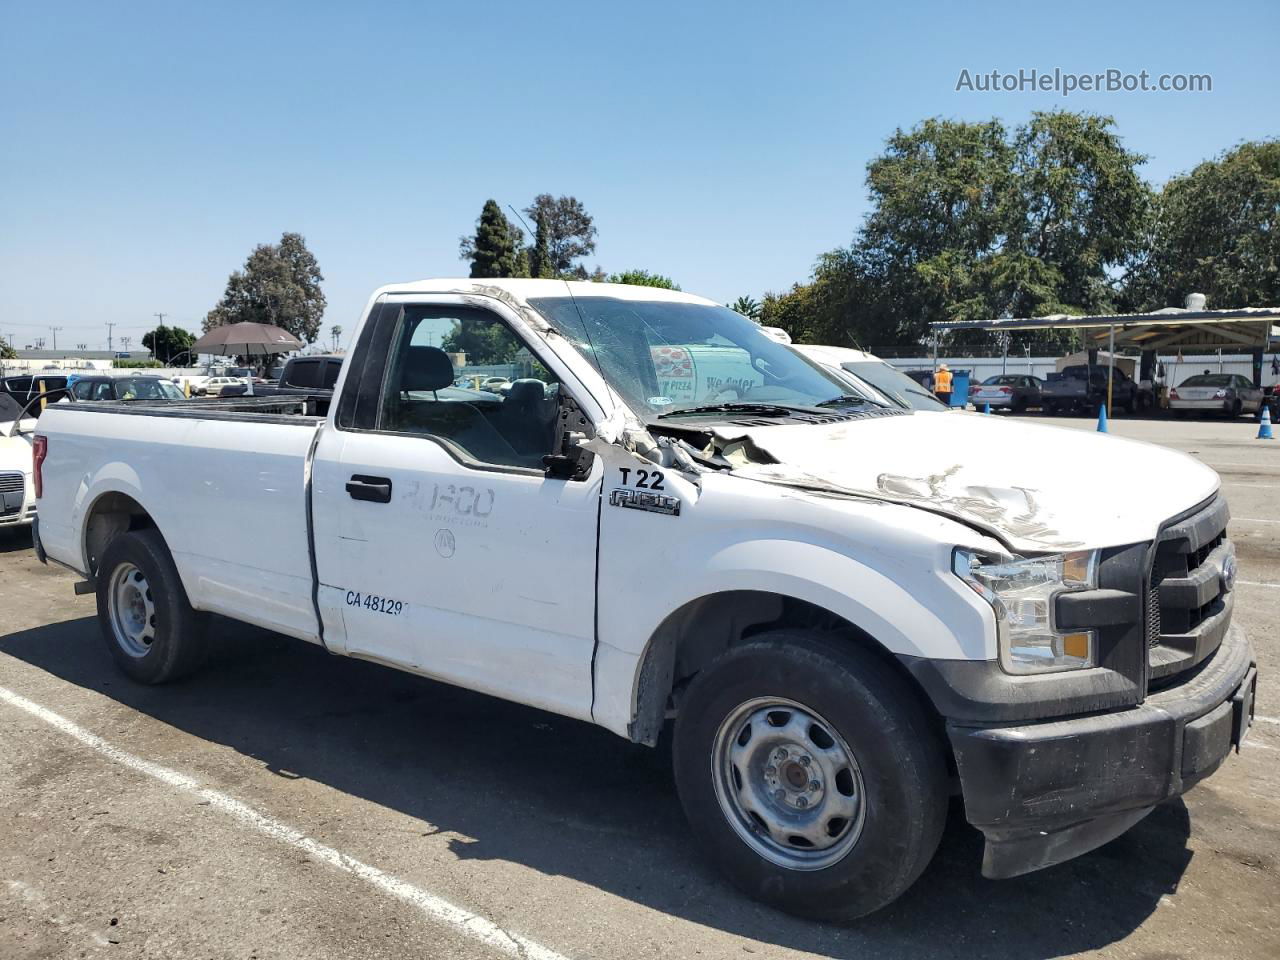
(942, 384)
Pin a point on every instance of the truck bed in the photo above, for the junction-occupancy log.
(225, 482)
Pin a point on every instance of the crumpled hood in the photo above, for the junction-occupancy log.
(1033, 486)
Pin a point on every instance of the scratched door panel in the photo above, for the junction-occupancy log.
(480, 577)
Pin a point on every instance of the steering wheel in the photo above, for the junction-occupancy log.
(16, 430)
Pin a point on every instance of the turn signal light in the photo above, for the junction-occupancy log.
(1076, 645)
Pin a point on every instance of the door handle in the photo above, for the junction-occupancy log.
(373, 489)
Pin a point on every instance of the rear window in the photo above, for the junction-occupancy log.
(331, 371)
(1209, 380)
(1002, 380)
(302, 373)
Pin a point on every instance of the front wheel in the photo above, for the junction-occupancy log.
(811, 774)
(149, 626)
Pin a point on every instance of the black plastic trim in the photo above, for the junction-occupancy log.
(1045, 792)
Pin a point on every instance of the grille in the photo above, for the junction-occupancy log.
(11, 483)
(1153, 616)
(1188, 606)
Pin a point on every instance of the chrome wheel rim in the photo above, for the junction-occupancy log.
(788, 784)
(131, 610)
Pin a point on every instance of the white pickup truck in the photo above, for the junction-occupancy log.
(848, 612)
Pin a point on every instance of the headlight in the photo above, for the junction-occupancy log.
(1022, 591)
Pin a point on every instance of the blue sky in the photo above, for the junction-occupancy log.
(148, 149)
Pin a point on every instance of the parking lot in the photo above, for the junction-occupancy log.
(285, 803)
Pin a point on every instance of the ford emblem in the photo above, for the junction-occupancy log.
(1229, 572)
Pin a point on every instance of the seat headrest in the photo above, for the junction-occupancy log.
(524, 393)
(426, 368)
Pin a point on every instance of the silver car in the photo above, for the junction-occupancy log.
(1227, 393)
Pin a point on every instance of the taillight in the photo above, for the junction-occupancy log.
(38, 452)
(1006, 389)
(1173, 393)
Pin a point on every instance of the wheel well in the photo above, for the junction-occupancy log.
(111, 515)
(693, 636)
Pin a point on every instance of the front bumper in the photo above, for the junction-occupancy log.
(1045, 792)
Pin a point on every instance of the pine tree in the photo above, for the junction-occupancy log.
(540, 264)
(495, 250)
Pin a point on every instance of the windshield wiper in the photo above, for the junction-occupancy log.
(762, 409)
(845, 399)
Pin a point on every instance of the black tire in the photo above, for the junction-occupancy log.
(1049, 409)
(178, 644)
(898, 754)
(1237, 408)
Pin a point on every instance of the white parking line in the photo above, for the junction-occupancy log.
(1252, 520)
(1274, 720)
(463, 921)
(1256, 486)
(1258, 583)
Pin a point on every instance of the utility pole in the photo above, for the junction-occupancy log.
(161, 316)
(82, 346)
(110, 349)
(39, 343)
(124, 343)
(54, 331)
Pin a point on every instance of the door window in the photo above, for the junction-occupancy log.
(461, 376)
(82, 390)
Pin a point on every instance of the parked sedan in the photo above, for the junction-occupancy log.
(125, 388)
(213, 386)
(1012, 391)
(1227, 393)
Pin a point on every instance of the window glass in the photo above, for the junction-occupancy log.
(461, 375)
(82, 390)
(897, 386)
(103, 391)
(668, 355)
(331, 371)
(302, 373)
(1208, 380)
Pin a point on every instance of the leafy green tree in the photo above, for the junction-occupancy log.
(6, 350)
(643, 278)
(335, 332)
(167, 343)
(280, 285)
(972, 221)
(1216, 231)
(495, 249)
(483, 342)
(568, 232)
(746, 306)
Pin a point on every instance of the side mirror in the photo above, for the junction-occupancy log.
(568, 460)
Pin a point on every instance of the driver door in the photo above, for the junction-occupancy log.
(442, 544)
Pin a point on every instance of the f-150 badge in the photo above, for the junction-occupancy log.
(644, 500)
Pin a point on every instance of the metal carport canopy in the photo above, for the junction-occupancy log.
(1243, 328)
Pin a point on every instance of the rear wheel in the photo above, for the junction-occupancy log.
(811, 774)
(1237, 408)
(150, 628)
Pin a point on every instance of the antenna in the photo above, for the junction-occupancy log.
(521, 219)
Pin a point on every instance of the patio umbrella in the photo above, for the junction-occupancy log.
(247, 338)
